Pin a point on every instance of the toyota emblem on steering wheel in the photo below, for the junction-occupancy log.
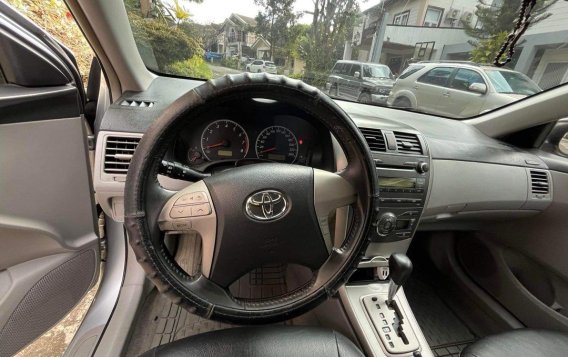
(266, 205)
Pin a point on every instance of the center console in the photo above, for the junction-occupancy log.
(403, 172)
(380, 314)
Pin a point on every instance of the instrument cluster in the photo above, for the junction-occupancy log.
(281, 138)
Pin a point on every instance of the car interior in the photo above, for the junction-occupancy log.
(253, 215)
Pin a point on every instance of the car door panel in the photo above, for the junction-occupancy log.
(49, 251)
(429, 89)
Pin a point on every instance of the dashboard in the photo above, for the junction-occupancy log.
(433, 173)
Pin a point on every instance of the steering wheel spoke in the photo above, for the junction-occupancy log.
(331, 191)
(192, 210)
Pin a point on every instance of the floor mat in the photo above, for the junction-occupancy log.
(446, 334)
(161, 321)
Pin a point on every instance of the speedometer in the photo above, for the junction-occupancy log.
(224, 139)
(277, 143)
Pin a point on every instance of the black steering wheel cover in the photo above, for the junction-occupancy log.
(142, 185)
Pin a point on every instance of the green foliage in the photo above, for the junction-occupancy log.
(274, 24)
(495, 19)
(296, 76)
(231, 62)
(169, 40)
(194, 67)
(331, 26)
(487, 49)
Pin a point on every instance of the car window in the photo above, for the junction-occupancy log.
(438, 76)
(338, 68)
(354, 68)
(464, 78)
(204, 39)
(270, 64)
(346, 69)
(410, 71)
(512, 83)
(375, 71)
(257, 62)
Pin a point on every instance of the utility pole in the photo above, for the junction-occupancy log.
(378, 39)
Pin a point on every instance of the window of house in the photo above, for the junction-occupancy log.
(464, 78)
(438, 76)
(433, 16)
(401, 18)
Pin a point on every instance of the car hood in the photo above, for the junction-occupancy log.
(380, 81)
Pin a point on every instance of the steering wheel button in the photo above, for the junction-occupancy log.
(182, 226)
(191, 198)
(180, 212)
(200, 210)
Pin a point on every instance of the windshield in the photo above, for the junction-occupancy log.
(334, 44)
(374, 71)
(512, 83)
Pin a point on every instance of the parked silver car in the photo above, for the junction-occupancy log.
(360, 81)
(458, 89)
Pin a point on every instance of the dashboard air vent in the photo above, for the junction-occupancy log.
(539, 182)
(118, 153)
(374, 138)
(407, 143)
(136, 103)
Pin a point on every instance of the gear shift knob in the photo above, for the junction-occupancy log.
(400, 268)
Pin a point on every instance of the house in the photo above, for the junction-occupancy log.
(261, 48)
(237, 36)
(387, 32)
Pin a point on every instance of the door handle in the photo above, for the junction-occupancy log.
(415, 87)
(447, 94)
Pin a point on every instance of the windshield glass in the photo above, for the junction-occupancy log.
(335, 44)
(512, 83)
(374, 71)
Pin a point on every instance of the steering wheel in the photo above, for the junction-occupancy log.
(251, 215)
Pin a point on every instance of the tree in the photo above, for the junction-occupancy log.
(275, 21)
(495, 22)
(495, 19)
(332, 24)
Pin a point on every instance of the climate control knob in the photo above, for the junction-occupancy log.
(386, 224)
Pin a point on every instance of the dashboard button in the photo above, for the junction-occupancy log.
(191, 198)
(200, 210)
(180, 212)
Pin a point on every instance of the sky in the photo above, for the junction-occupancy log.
(216, 11)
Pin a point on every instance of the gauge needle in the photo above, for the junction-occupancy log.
(216, 145)
(268, 150)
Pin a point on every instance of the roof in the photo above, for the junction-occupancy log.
(245, 19)
(260, 40)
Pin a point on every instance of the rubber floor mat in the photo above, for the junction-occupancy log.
(441, 327)
(160, 321)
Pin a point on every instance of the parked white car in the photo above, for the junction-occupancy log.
(458, 89)
(262, 66)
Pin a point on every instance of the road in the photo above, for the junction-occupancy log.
(219, 71)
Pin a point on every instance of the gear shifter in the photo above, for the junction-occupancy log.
(400, 268)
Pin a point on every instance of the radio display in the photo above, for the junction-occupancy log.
(397, 182)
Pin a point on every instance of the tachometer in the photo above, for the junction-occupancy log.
(224, 139)
(277, 143)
